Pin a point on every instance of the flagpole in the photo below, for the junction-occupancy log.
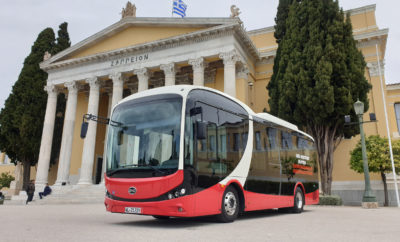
(387, 129)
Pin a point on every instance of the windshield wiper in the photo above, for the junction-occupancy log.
(124, 168)
(156, 169)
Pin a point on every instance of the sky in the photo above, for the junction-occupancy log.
(22, 20)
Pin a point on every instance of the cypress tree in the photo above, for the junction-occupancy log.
(319, 77)
(63, 40)
(279, 33)
(21, 119)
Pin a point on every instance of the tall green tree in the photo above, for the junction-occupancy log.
(320, 76)
(21, 118)
(279, 33)
(378, 158)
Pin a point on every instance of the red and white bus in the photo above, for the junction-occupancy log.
(185, 151)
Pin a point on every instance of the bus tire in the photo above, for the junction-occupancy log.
(230, 205)
(298, 201)
(160, 217)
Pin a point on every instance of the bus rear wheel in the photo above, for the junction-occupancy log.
(298, 201)
(230, 205)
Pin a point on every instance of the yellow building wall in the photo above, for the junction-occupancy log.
(101, 131)
(133, 36)
(77, 143)
(365, 22)
(219, 81)
(264, 41)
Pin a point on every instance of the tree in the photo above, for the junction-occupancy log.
(279, 33)
(319, 77)
(21, 118)
(378, 158)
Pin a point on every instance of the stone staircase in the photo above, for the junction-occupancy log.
(66, 195)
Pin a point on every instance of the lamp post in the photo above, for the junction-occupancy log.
(369, 198)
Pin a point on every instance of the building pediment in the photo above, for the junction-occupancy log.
(132, 34)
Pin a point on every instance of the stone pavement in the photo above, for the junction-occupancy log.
(90, 222)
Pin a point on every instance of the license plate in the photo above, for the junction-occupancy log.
(133, 210)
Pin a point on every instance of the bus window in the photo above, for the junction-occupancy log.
(271, 134)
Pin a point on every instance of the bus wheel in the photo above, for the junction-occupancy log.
(230, 206)
(160, 217)
(298, 201)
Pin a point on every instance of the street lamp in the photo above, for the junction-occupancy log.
(368, 197)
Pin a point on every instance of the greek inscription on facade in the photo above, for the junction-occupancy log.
(129, 60)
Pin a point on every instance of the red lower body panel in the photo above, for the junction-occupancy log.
(312, 197)
(206, 202)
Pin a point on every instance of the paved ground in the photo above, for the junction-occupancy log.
(92, 223)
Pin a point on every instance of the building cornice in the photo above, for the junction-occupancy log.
(369, 35)
(393, 86)
(141, 22)
(229, 27)
(361, 10)
(261, 31)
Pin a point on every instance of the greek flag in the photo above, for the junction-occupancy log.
(179, 8)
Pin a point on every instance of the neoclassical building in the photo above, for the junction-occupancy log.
(136, 54)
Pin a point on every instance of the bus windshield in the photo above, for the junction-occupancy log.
(143, 137)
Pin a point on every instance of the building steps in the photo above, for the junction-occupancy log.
(76, 194)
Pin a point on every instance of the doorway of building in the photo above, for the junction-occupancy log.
(99, 167)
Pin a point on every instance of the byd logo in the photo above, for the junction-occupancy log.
(132, 190)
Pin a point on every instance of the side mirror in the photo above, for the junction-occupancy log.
(201, 130)
(84, 129)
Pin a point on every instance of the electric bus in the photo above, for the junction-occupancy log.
(185, 151)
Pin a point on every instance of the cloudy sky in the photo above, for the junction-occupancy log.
(22, 20)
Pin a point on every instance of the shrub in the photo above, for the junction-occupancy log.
(330, 200)
(5, 179)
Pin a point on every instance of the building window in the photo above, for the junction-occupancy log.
(397, 111)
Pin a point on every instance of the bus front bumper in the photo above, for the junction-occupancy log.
(177, 207)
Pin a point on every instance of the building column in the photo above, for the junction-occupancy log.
(47, 136)
(230, 58)
(198, 71)
(118, 88)
(169, 71)
(68, 134)
(90, 140)
(143, 77)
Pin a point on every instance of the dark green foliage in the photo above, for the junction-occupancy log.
(63, 40)
(318, 75)
(5, 179)
(280, 30)
(330, 200)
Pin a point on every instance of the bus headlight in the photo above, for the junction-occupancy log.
(183, 191)
(170, 196)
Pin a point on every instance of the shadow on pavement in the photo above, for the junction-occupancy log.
(173, 223)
